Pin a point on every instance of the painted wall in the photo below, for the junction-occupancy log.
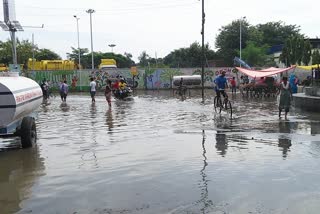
(153, 78)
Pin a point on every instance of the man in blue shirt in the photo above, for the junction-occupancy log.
(221, 84)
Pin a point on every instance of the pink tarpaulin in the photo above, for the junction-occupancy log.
(265, 72)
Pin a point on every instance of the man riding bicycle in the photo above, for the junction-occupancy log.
(221, 84)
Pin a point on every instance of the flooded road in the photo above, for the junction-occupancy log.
(158, 154)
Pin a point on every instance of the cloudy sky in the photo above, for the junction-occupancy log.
(156, 26)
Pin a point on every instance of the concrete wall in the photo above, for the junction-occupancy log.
(305, 102)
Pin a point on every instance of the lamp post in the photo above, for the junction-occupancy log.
(79, 55)
(79, 50)
(112, 46)
(242, 18)
(90, 11)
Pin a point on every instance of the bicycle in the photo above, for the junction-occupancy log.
(181, 91)
(225, 105)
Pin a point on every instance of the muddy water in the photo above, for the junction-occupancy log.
(158, 154)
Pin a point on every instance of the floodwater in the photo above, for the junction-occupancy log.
(159, 154)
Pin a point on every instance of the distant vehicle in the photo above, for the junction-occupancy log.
(190, 81)
(108, 64)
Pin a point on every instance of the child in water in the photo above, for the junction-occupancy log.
(108, 92)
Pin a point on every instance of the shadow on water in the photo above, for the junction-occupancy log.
(221, 143)
(109, 121)
(284, 141)
(20, 169)
(205, 202)
(64, 107)
(93, 110)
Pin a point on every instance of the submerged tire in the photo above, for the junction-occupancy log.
(28, 132)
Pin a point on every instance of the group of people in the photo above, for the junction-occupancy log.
(287, 88)
(119, 88)
(46, 89)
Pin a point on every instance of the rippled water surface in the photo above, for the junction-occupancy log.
(158, 154)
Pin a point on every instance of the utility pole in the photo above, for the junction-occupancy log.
(90, 11)
(203, 54)
(242, 18)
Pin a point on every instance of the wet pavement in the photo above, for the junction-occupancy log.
(159, 154)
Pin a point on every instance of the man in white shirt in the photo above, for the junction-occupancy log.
(93, 85)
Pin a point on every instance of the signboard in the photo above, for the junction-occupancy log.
(134, 71)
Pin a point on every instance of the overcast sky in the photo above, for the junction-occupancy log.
(156, 26)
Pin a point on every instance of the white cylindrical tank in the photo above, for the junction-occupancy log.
(188, 81)
(19, 96)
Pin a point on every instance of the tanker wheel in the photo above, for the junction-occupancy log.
(28, 132)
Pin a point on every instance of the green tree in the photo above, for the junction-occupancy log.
(143, 59)
(276, 33)
(316, 57)
(123, 61)
(188, 57)
(228, 40)
(254, 55)
(5, 52)
(74, 55)
(46, 54)
(268, 34)
(306, 57)
(25, 50)
(294, 50)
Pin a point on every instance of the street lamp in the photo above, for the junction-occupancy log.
(242, 18)
(112, 46)
(78, 40)
(90, 11)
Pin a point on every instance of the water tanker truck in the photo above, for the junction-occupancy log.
(19, 98)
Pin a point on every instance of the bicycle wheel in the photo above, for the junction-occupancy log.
(217, 104)
(228, 108)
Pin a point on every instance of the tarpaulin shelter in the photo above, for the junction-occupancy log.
(265, 72)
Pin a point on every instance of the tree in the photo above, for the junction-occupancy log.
(294, 50)
(254, 55)
(269, 34)
(276, 33)
(228, 40)
(6, 52)
(25, 50)
(46, 54)
(306, 57)
(74, 55)
(123, 61)
(143, 59)
(316, 57)
(188, 57)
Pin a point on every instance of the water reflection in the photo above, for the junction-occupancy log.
(19, 171)
(93, 110)
(284, 141)
(221, 143)
(109, 121)
(204, 199)
(64, 107)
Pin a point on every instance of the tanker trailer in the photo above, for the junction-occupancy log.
(19, 98)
